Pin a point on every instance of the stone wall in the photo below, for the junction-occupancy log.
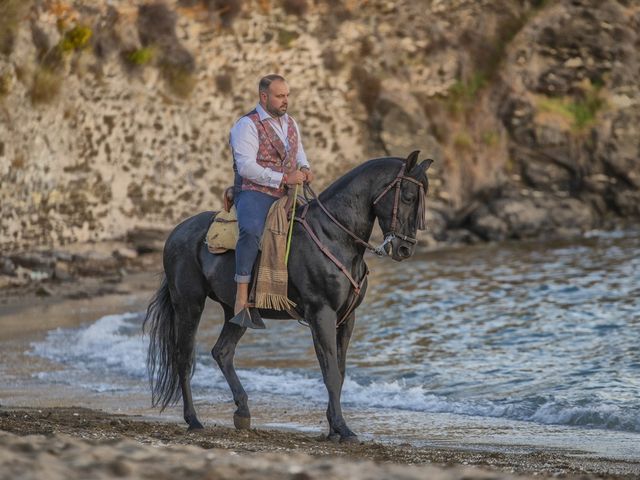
(530, 109)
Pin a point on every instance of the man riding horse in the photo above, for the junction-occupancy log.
(267, 158)
(327, 271)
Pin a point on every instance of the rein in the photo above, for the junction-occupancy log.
(389, 236)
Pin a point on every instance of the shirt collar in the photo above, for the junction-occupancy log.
(263, 114)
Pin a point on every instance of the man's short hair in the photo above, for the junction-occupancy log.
(265, 81)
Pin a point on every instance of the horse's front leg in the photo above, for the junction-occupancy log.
(323, 328)
(343, 336)
(223, 353)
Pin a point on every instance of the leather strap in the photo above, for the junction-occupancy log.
(335, 220)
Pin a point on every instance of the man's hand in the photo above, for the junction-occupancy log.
(308, 174)
(294, 178)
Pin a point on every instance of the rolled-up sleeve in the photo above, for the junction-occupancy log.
(244, 147)
(301, 157)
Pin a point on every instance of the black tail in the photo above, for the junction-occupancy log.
(162, 363)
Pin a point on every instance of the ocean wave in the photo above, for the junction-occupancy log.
(106, 355)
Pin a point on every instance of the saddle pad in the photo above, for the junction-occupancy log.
(223, 232)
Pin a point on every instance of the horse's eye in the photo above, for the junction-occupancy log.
(408, 198)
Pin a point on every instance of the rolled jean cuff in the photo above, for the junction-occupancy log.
(242, 278)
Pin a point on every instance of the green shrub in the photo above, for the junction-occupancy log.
(286, 37)
(75, 39)
(141, 56)
(490, 138)
(463, 142)
(584, 110)
(462, 94)
(581, 111)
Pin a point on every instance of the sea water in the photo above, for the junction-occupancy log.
(486, 344)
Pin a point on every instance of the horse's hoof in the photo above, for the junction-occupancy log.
(333, 437)
(351, 439)
(195, 425)
(241, 423)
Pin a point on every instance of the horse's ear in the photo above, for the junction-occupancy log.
(427, 163)
(411, 160)
(419, 170)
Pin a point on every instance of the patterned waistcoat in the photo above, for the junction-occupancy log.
(271, 154)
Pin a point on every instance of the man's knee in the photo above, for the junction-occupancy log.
(252, 230)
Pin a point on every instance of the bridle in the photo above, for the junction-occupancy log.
(391, 234)
(380, 251)
(397, 183)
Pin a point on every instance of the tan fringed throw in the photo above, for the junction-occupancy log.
(271, 286)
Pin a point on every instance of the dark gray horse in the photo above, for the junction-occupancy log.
(326, 290)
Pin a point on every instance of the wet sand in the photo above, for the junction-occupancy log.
(77, 442)
(39, 438)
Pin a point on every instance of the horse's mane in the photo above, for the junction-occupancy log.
(370, 165)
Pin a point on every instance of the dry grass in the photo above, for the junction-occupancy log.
(227, 10)
(224, 83)
(157, 29)
(181, 81)
(5, 84)
(475, 152)
(156, 24)
(11, 13)
(295, 7)
(45, 86)
(368, 85)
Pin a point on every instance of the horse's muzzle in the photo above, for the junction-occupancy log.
(401, 249)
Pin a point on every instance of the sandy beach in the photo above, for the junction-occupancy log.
(80, 443)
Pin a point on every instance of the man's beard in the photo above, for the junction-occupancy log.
(275, 111)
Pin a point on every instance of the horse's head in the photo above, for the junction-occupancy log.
(400, 207)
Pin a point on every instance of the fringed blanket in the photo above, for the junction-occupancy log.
(271, 285)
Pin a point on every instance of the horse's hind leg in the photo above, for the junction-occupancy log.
(223, 353)
(188, 311)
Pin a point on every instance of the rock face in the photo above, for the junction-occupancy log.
(571, 110)
(115, 114)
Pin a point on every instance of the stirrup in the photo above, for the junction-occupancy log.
(249, 318)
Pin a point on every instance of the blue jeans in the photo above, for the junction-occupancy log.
(252, 208)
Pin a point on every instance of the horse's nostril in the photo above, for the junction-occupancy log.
(404, 251)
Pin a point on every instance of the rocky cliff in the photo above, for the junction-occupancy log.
(114, 114)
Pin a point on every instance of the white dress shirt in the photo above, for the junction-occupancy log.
(244, 146)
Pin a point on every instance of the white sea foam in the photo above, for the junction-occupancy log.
(108, 354)
(106, 345)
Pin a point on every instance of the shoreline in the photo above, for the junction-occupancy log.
(277, 449)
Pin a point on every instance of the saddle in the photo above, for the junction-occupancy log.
(223, 232)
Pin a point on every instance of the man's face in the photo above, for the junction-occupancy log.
(276, 99)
